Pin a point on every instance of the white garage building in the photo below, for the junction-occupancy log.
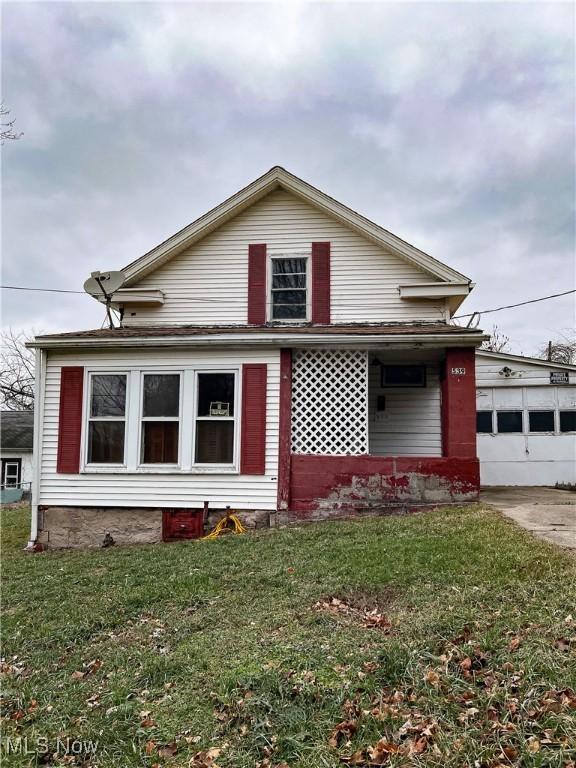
(526, 420)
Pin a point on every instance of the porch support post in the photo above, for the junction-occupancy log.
(285, 430)
(459, 403)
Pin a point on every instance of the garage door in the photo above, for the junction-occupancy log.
(527, 435)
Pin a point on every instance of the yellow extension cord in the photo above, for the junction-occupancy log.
(223, 526)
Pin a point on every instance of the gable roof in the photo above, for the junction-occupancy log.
(505, 356)
(16, 431)
(279, 178)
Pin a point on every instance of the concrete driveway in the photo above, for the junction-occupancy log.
(547, 512)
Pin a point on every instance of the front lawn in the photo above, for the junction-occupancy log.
(442, 639)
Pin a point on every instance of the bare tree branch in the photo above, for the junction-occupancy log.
(7, 131)
(16, 373)
(560, 350)
(498, 341)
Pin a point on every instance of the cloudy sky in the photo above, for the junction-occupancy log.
(452, 125)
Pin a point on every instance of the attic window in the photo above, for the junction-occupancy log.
(289, 289)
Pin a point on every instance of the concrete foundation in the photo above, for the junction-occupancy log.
(85, 527)
(80, 527)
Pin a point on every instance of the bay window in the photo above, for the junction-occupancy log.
(107, 418)
(215, 418)
(160, 418)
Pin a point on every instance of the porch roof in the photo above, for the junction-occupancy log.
(429, 334)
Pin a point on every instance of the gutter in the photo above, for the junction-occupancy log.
(270, 340)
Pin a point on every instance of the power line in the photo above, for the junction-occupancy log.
(349, 305)
(511, 306)
(47, 290)
(83, 293)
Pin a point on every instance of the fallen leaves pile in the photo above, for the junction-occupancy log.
(370, 619)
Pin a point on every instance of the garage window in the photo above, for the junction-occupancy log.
(541, 421)
(567, 421)
(484, 422)
(509, 421)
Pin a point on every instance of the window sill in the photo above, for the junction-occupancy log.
(172, 470)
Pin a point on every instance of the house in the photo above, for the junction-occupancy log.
(16, 443)
(526, 420)
(282, 355)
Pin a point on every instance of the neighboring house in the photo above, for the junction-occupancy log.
(16, 443)
(282, 355)
(526, 420)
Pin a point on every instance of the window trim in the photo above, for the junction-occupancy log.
(87, 418)
(307, 256)
(210, 466)
(141, 419)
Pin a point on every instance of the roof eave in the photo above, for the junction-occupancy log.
(523, 358)
(266, 340)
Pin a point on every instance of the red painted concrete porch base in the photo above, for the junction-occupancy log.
(326, 486)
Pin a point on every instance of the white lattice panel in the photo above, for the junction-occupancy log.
(330, 402)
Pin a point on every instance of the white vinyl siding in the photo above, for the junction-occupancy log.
(410, 425)
(364, 276)
(151, 486)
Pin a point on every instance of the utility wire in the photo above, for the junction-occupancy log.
(231, 301)
(511, 306)
(83, 293)
(48, 290)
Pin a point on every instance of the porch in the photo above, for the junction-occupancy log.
(376, 429)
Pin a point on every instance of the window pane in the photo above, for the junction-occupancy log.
(160, 442)
(484, 421)
(289, 312)
(161, 394)
(509, 421)
(404, 375)
(214, 442)
(289, 297)
(108, 395)
(567, 421)
(541, 421)
(288, 266)
(289, 281)
(106, 442)
(215, 388)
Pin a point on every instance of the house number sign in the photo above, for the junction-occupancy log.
(458, 371)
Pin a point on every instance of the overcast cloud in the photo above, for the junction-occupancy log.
(452, 125)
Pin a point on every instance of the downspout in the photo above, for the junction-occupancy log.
(40, 374)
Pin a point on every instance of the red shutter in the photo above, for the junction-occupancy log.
(70, 419)
(253, 448)
(256, 284)
(321, 283)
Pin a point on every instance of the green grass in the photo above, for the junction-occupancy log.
(204, 645)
